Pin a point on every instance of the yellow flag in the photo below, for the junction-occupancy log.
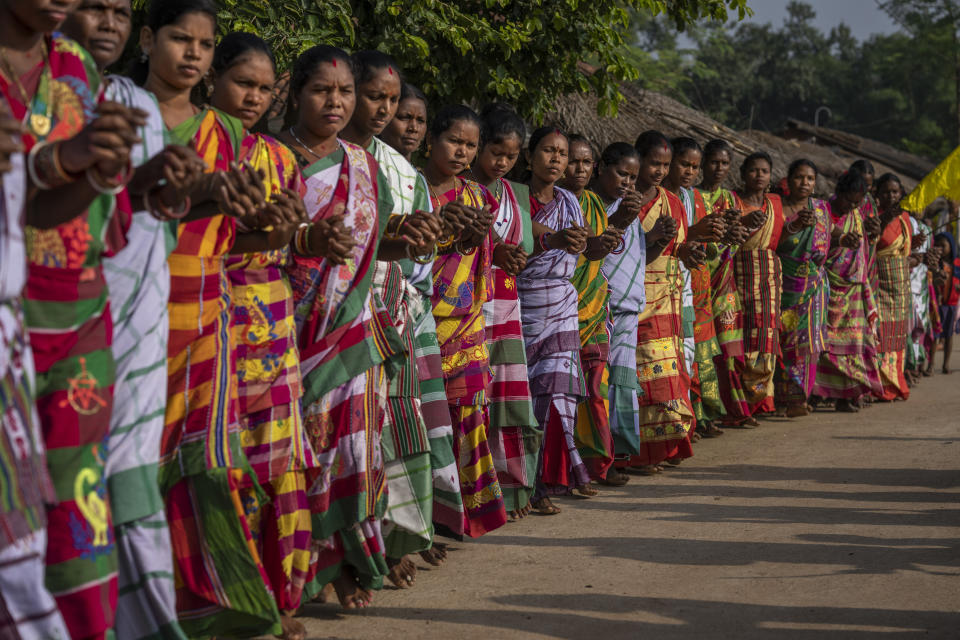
(942, 181)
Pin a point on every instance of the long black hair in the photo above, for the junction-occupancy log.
(616, 152)
(851, 181)
(649, 141)
(751, 159)
(408, 91)
(305, 66)
(715, 146)
(537, 136)
(450, 114)
(801, 162)
(368, 62)
(500, 121)
(161, 14)
(235, 45)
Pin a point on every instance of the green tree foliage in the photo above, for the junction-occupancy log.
(898, 88)
(527, 52)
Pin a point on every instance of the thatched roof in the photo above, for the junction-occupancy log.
(650, 110)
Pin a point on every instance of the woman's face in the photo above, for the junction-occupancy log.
(802, 182)
(944, 247)
(453, 150)
(102, 27)
(496, 159)
(756, 176)
(39, 16)
(548, 160)
(716, 166)
(848, 201)
(654, 167)
(889, 195)
(614, 180)
(180, 53)
(377, 101)
(579, 167)
(326, 102)
(685, 168)
(245, 90)
(406, 131)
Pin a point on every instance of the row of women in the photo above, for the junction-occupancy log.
(242, 372)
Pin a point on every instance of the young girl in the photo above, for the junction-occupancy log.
(550, 326)
(201, 459)
(756, 270)
(514, 434)
(76, 174)
(462, 283)
(803, 250)
(593, 438)
(268, 361)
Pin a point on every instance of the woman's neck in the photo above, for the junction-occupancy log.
(711, 185)
(794, 203)
(175, 105)
(437, 179)
(541, 190)
(578, 192)
(672, 187)
(317, 146)
(480, 177)
(752, 198)
(353, 134)
(15, 35)
(646, 191)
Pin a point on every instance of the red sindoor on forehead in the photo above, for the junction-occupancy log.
(334, 62)
(390, 70)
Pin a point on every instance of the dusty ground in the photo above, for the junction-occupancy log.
(833, 526)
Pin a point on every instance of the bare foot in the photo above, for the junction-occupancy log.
(325, 593)
(797, 411)
(614, 478)
(545, 507)
(403, 572)
(673, 462)
(647, 469)
(349, 592)
(435, 555)
(695, 437)
(291, 629)
(845, 406)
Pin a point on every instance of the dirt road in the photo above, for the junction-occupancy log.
(833, 526)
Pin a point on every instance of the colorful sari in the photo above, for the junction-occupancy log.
(803, 304)
(514, 434)
(625, 274)
(139, 281)
(67, 314)
(221, 587)
(345, 340)
(895, 305)
(948, 298)
(756, 270)
(269, 392)
(728, 316)
(551, 336)
(27, 609)
(922, 337)
(408, 526)
(847, 366)
(593, 438)
(698, 326)
(461, 286)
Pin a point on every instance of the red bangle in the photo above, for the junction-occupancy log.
(544, 237)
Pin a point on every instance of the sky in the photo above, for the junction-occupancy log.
(862, 16)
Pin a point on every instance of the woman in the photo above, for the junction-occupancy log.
(201, 461)
(921, 335)
(24, 479)
(803, 250)
(268, 361)
(665, 413)
(756, 270)
(550, 329)
(406, 131)
(65, 302)
(624, 271)
(700, 337)
(461, 286)
(593, 437)
(727, 309)
(514, 434)
(139, 282)
(894, 297)
(408, 526)
(948, 294)
(847, 367)
(345, 335)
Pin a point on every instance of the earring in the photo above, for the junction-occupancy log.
(144, 58)
(427, 154)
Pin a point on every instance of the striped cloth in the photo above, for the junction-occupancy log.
(514, 433)
(461, 286)
(894, 304)
(221, 587)
(756, 271)
(552, 339)
(665, 412)
(625, 273)
(68, 317)
(920, 279)
(848, 365)
(803, 304)
(593, 438)
(139, 281)
(728, 316)
(27, 609)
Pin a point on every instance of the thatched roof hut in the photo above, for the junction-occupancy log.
(650, 110)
